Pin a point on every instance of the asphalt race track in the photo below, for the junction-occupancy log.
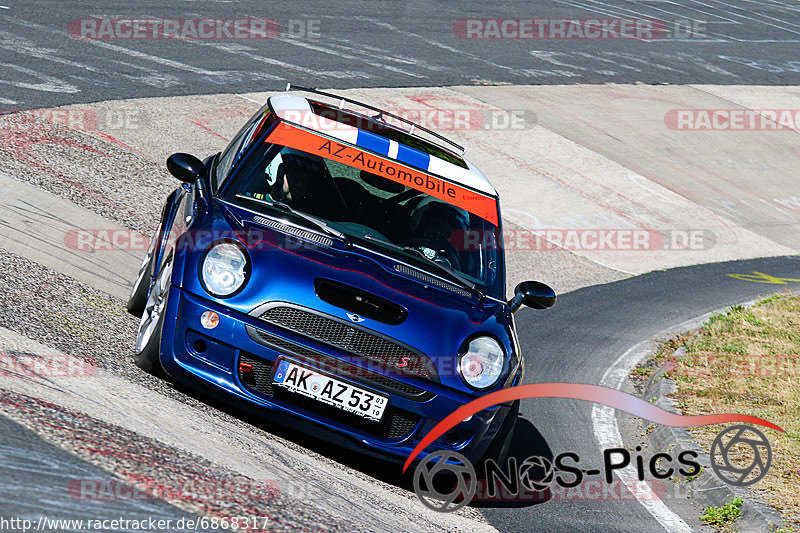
(394, 44)
(581, 337)
(130, 426)
(576, 341)
(38, 470)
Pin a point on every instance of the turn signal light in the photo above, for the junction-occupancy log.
(209, 319)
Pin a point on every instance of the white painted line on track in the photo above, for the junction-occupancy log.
(22, 46)
(282, 64)
(155, 59)
(431, 42)
(249, 99)
(121, 49)
(381, 53)
(339, 53)
(607, 435)
(606, 426)
(47, 84)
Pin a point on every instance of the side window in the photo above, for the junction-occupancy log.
(239, 145)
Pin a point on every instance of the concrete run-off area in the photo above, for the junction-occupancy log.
(596, 182)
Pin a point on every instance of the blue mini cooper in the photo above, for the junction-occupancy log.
(341, 269)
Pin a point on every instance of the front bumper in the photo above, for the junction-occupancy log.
(198, 357)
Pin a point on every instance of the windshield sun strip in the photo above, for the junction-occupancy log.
(463, 196)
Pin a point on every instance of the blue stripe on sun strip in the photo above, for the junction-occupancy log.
(415, 158)
(370, 141)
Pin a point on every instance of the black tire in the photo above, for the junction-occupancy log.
(147, 347)
(498, 449)
(138, 297)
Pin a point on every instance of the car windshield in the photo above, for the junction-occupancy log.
(378, 212)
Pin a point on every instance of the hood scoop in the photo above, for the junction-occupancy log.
(360, 302)
(293, 230)
(430, 280)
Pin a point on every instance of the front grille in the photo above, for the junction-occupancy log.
(396, 423)
(391, 354)
(338, 366)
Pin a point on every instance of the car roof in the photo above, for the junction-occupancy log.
(296, 109)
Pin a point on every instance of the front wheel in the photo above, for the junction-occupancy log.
(498, 449)
(148, 335)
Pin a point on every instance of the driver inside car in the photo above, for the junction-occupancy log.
(305, 184)
(434, 224)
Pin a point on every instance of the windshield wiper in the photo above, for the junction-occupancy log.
(451, 273)
(318, 223)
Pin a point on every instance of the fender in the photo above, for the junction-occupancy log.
(165, 231)
(179, 210)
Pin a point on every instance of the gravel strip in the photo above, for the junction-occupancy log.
(80, 321)
(106, 178)
(163, 469)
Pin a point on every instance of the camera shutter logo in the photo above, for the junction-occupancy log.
(536, 463)
(729, 443)
(465, 486)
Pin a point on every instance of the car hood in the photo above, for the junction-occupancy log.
(285, 269)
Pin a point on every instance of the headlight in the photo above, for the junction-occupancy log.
(481, 363)
(224, 269)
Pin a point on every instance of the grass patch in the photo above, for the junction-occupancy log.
(723, 517)
(747, 360)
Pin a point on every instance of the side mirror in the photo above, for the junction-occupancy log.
(185, 167)
(533, 294)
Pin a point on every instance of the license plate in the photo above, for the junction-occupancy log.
(331, 391)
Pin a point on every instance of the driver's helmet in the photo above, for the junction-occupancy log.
(275, 169)
(438, 222)
(302, 181)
